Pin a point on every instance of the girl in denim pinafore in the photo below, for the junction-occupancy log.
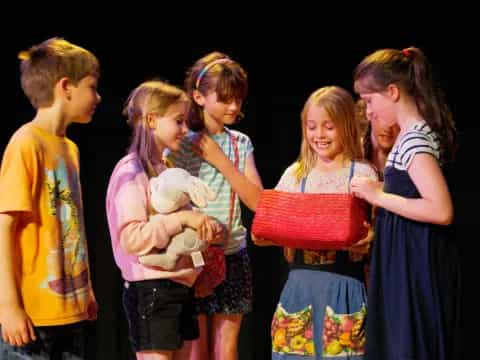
(322, 309)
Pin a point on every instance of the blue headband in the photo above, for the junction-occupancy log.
(208, 66)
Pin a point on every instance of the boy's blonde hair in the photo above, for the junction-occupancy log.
(149, 97)
(339, 105)
(43, 65)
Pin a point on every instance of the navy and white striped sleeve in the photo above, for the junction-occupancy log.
(418, 142)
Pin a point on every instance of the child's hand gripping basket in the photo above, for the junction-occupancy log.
(311, 221)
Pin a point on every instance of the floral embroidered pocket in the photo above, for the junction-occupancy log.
(292, 333)
(319, 257)
(343, 334)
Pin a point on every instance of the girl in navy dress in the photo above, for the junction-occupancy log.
(413, 293)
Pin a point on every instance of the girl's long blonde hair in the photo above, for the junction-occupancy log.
(339, 105)
(151, 96)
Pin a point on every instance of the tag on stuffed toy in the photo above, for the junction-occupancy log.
(197, 259)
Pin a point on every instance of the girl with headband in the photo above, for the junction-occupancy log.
(217, 87)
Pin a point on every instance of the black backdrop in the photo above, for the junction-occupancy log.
(285, 64)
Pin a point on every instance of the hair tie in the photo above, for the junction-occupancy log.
(24, 55)
(407, 53)
(208, 66)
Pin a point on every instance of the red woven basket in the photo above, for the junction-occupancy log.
(310, 221)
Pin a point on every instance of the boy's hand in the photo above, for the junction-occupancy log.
(17, 328)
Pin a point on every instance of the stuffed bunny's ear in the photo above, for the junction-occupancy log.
(199, 192)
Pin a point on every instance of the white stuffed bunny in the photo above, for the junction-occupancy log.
(173, 189)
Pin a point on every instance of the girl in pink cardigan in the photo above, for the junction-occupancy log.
(158, 303)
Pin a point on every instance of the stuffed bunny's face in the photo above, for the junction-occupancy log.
(167, 194)
(174, 188)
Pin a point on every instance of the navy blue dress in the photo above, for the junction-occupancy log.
(414, 284)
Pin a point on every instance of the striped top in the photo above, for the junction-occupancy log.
(219, 208)
(419, 139)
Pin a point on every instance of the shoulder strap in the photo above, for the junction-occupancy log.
(352, 172)
(302, 184)
(236, 163)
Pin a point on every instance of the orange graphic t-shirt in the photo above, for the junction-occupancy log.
(39, 182)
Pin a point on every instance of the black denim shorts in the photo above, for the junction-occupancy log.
(160, 314)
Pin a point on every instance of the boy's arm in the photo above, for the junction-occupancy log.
(17, 328)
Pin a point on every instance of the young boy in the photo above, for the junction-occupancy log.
(44, 274)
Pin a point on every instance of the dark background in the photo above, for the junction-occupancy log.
(286, 61)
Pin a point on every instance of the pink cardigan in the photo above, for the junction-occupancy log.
(134, 232)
